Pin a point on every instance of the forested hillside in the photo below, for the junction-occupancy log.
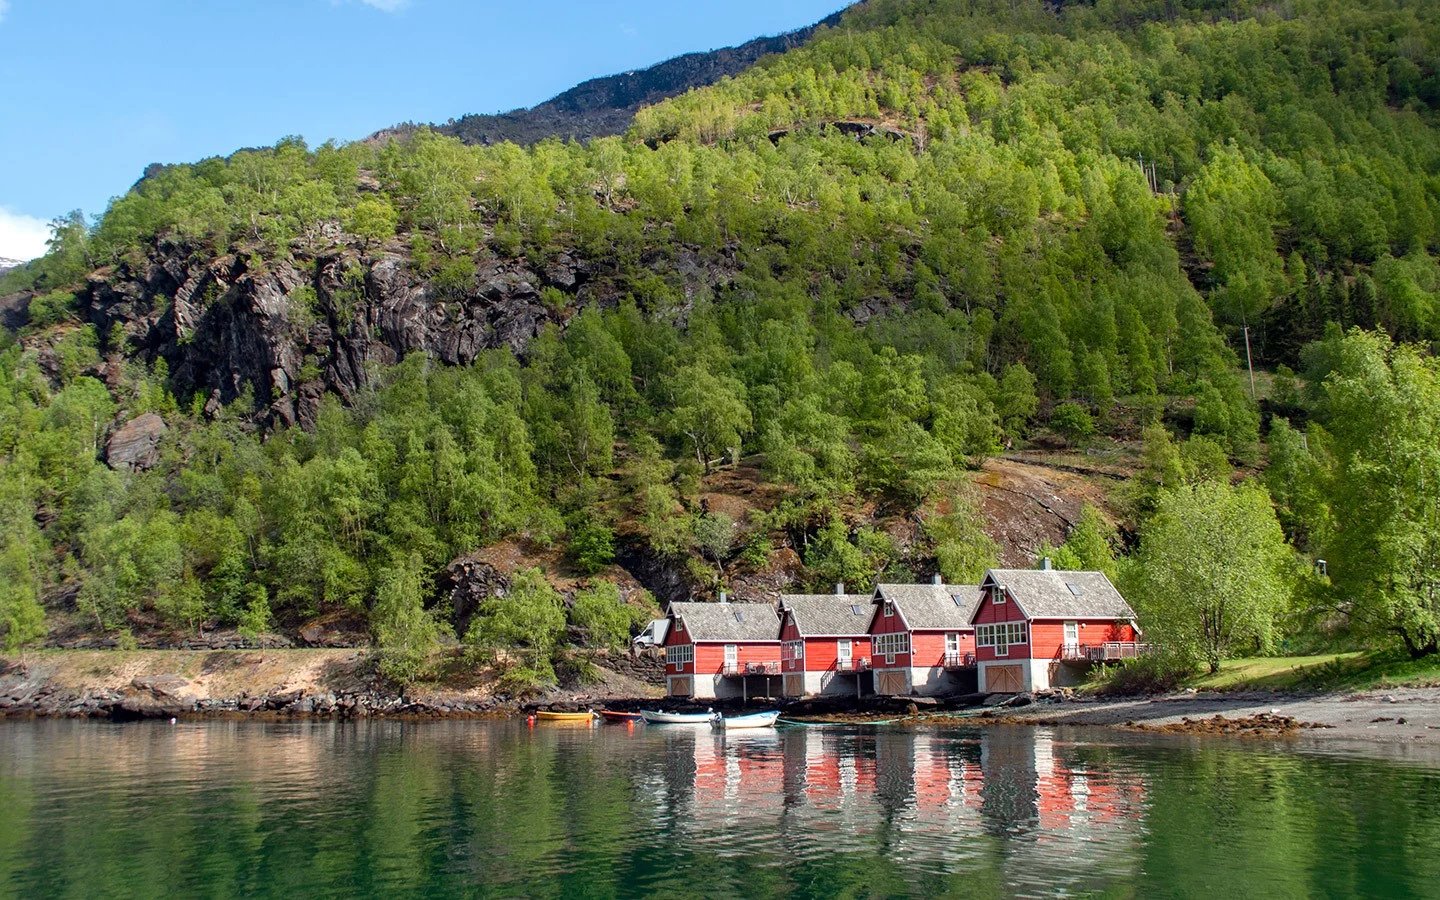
(940, 230)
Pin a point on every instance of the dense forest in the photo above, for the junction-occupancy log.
(941, 230)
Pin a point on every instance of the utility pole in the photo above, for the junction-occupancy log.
(1248, 364)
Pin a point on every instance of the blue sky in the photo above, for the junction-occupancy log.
(91, 91)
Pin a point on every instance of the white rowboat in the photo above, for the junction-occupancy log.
(655, 717)
(753, 720)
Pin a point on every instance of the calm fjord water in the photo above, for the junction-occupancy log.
(499, 809)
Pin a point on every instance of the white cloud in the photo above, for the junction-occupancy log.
(389, 6)
(4, 8)
(22, 237)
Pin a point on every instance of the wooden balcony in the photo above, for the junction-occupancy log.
(959, 661)
(752, 668)
(1110, 651)
(853, 665)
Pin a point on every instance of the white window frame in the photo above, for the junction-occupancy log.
(732, 656)
(997, 595)
(952, 642)
(1001, 635)
(844, 649)
(678, 655)
(891, 644)
(888, 609)
(792, 651)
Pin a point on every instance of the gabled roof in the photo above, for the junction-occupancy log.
(836, 615)
(1057, 594)
(728, 621)
(932, 606)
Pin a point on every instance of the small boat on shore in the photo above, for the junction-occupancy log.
(615, 715)
(546, 715)
(655, 717)
(753, 720)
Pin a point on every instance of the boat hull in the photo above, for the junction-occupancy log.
(573, 718)
(754, 720)
(663, 718)
(611, 715)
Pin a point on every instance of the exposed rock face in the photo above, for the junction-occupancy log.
(135, 446)
(606, 106)
(290, 331)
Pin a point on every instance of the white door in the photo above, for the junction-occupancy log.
(1072, 637)
(842, 654)
(731, 658)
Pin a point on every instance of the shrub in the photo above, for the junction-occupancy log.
(1158, 673)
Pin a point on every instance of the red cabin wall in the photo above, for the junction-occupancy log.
(676, 639)
(710, 657)
(891, 624)
(1009, 611)
(788, 630)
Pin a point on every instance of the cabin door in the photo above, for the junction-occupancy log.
(1072, 638)
(732, 658)
(842, 654)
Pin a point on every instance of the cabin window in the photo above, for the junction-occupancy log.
(679, 625)
(997, 595)
(889, 609)
(952, 642)
(792, 650)
(889, 645)
(679, 654)
(1001, 636)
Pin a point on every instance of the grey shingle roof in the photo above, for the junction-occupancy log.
(728, 621)
(930, 606)
(1057, 594)
(841, 615)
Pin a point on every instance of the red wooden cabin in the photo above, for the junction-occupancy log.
(722, 650)
(825, 643)
(921, 639)
(1041, 628)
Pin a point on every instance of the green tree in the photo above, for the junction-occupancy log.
(603, 618)
(373, 220)
(1212, 574)
(405, 631)
(708, 412)
(520, 629)
(962, 549)
(1383, 553)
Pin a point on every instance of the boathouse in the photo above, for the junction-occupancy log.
(921, 638)
(1042, 628)
(718, 650)
(825, 643)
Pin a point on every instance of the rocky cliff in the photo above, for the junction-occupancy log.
(606, 106)
(224, 323)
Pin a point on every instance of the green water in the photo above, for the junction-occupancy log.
(502, 809)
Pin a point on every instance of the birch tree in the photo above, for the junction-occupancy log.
(1210, 577)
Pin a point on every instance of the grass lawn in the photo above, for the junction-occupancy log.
(1330, 672)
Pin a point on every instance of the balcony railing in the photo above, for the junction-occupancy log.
(959, 660)
(854, 664)
(1106, 652)
(750, 668)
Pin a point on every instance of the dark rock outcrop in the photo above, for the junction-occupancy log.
(135, 446)
(606, 106)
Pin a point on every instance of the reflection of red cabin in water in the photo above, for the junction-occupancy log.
(1038, 628)
(825, 642)
(722, 650)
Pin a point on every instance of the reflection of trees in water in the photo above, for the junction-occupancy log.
(381, 806)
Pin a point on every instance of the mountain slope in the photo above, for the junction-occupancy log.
(607, 105)
(857, 270)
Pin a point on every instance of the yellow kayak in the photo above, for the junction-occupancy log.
(545, 715)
